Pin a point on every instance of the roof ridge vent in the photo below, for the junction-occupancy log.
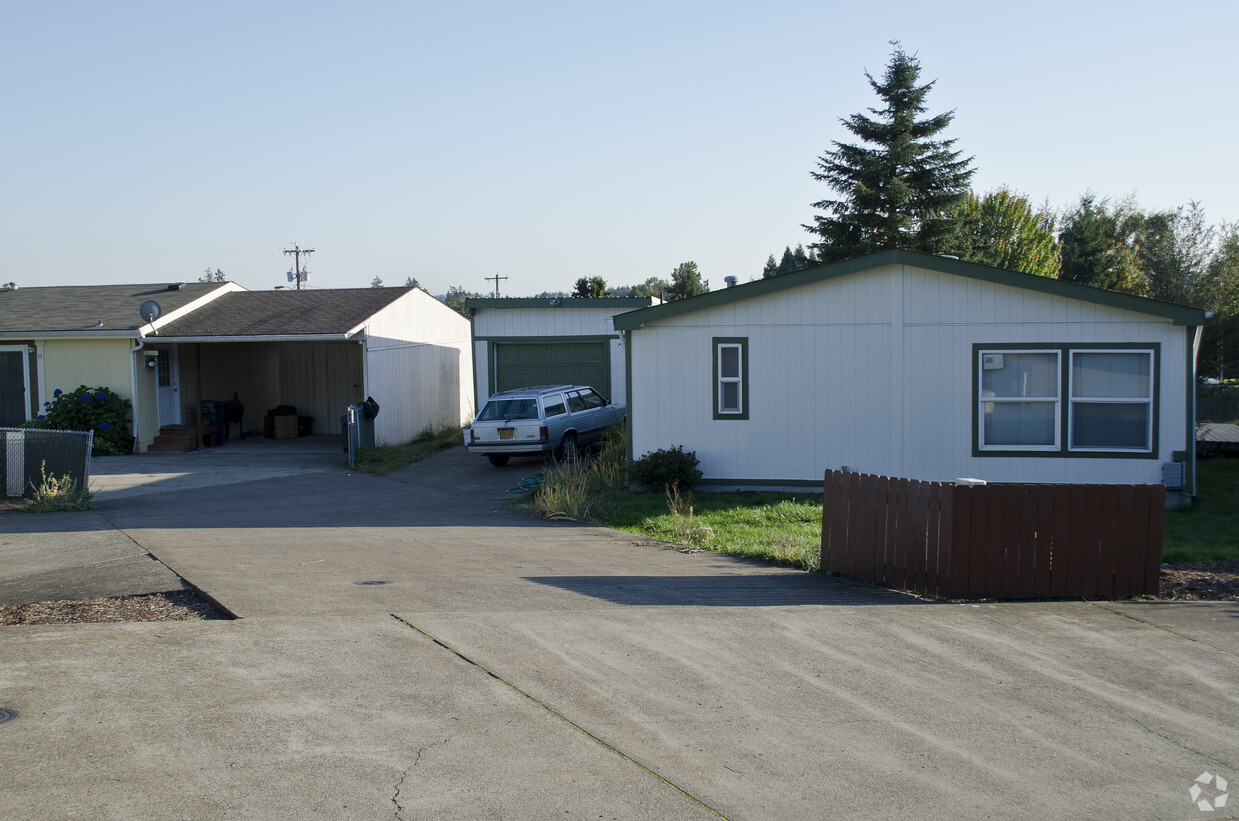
(175, 286)
(10, 286)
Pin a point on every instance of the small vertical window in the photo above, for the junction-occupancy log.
(731, 379)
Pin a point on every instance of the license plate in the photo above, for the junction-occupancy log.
(507, 433)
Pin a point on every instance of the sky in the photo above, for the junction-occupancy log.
(546, 141)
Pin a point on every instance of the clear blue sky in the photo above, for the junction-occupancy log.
(145, 142)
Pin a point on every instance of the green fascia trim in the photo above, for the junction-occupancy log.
(1178, 314)
(815, 483)
(743, 342)
(472, 304)
(550, 340)
(1064, 400)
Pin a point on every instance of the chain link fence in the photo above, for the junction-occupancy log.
(28, 454)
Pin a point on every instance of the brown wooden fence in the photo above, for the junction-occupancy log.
(997, 541)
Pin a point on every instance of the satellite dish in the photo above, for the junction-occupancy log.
(150, 310)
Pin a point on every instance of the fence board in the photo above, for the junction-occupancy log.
(1012, 524)
(920, 500)
(861, 546)
(1043, 541)
(960, 563)
(830, 490)
(1025, 578)
(1126, 554)
(1077, 518)
(938, 538)
(1060, 546)
(1157, 524)
(1090, 564)
(978, 542)
(1107, 552)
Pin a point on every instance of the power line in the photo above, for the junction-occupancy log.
(496, 278)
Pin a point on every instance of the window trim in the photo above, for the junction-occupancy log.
(716, 347)
(1056, 401)
(1072, 401)
(1064, 416)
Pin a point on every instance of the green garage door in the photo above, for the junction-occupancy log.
(521, 364)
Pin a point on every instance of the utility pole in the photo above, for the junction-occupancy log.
(297, 252)
(496, 278)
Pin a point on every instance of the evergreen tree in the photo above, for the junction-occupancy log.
(899, 188)
(653, 286)
(686, 281)
(208, 276)
(1002, 229)
(411, 282)
(376, 283)
(1097, 246)
(771, 269)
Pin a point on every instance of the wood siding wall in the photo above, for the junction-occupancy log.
(873, 371)
(1003, 541)
(418, 368)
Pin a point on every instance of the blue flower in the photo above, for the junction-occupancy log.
(57, 392)
(41, 416)
(85, 397)
(106, 426)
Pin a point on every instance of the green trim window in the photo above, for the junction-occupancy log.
(1111, 406)
(1085, 400)
(731, 380)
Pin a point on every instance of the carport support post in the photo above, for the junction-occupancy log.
(198, 395)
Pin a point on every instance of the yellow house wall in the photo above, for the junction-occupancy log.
(105, 363)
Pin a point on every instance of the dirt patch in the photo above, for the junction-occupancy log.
(181, 605)
(1214, 581)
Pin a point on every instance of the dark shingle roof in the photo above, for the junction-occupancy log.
(284, 313)
(42, 310)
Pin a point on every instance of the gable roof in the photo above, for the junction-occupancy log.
(72, 309)
(326, 312)
(1178, 314)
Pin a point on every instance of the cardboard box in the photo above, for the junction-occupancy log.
(284, 427)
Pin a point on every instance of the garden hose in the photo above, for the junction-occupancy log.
(527, 484)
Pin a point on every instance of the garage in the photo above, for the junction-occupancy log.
(519, 364)
(518, 342)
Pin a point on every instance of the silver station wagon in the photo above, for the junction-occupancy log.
(555, 419)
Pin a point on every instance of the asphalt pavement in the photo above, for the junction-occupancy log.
(410, 646)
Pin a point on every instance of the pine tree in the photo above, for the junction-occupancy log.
(900, 188)
(686, 281)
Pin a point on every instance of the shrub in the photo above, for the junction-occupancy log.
(57, 495)
(567, 492)
(97, 409)
(663, 468)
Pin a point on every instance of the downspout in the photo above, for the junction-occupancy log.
(133, 388)
(1194, 337)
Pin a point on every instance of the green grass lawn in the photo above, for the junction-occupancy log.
(779, 527)
(1208, 531)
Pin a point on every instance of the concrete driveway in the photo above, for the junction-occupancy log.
(507, 667)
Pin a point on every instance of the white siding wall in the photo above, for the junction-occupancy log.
(874, 371)
(564, 321)
(418, 368)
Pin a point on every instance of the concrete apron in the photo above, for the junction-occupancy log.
(514, 668)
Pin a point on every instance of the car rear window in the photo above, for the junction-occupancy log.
(525, 407)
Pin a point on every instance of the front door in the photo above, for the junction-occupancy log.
(168, 381)
(14, 386)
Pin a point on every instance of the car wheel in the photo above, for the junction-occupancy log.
(567, 448)
(497, 459)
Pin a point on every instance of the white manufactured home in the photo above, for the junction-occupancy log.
(518, 342)
(916, 366)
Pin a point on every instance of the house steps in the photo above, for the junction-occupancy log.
(178, 438)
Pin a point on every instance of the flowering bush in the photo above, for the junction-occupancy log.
(97, 409)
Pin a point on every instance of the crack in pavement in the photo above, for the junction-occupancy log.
(404, 775)
(605, 745)
(1148, 623)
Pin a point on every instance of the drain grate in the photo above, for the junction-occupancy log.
(371, 582)
(7, 714)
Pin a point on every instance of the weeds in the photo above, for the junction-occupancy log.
(575, 488)
(431, 440)
(58, 495)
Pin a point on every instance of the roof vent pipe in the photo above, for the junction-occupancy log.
(730, 280)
